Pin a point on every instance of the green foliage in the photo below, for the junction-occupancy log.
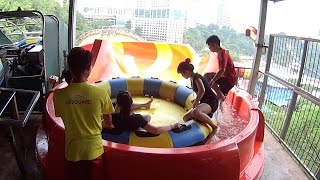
(48, 7)
(138, 31)
(128, 25)
(303, 132)
(83, 26)
(237, 43)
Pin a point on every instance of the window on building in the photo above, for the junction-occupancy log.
(164, 13)
(147, 13)
(153, 13)
(176, 14)
(141, 13)
(136, 12)
(158, 13)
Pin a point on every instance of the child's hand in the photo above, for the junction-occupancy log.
(176, 125)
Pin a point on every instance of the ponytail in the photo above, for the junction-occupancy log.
(185, 65)
(124, 100)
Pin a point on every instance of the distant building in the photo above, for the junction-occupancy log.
(119, 16)
(223, 18)
(160, 20)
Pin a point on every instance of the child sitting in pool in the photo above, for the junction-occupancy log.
(124, 119)
(206, 102)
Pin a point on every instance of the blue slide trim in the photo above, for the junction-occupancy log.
(188, 137)
(152, 87)
(117, 85)
(181, 95)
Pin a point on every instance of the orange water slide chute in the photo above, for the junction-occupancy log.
(144, 59)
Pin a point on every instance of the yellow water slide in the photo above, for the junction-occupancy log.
(144, 59)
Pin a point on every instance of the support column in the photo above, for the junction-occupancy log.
(259, 46)
(72, 24)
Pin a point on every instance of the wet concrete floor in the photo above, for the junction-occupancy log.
(278, 163)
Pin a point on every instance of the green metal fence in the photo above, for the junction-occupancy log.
(289, 96)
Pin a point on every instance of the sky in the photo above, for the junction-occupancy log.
(293, 17)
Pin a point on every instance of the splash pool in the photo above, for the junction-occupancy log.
(240, 156)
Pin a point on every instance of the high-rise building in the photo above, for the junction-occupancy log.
(119, 16)
(223, 15)
(160, 20)
(117, 13)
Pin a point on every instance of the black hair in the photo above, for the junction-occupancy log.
(67, 75)
(213, 40)
(185, 65)
(124, 101)
(79, 60)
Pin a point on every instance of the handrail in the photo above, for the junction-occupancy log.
(296, 89)
(27, 112)
(296, 37)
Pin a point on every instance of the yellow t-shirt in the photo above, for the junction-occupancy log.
(80, 105)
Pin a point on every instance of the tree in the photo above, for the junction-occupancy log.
(138, 31)
(128, 25)
(49, 7)
(237, 43)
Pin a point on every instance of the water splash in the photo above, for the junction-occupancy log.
(230, 123)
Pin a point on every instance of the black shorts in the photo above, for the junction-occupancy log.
(224, 85)
(213, 103)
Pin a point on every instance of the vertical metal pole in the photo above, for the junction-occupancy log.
(318, 174)
(18, 144)
(16, 152)
(72, 24)
(265, 77)
(295, 95)
(259, 46)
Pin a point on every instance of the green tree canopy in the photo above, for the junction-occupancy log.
(138, 31)
(237, 43)
(128, 25)
(51, 7)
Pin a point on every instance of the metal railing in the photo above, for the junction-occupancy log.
(11, 118)
(288, 93)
